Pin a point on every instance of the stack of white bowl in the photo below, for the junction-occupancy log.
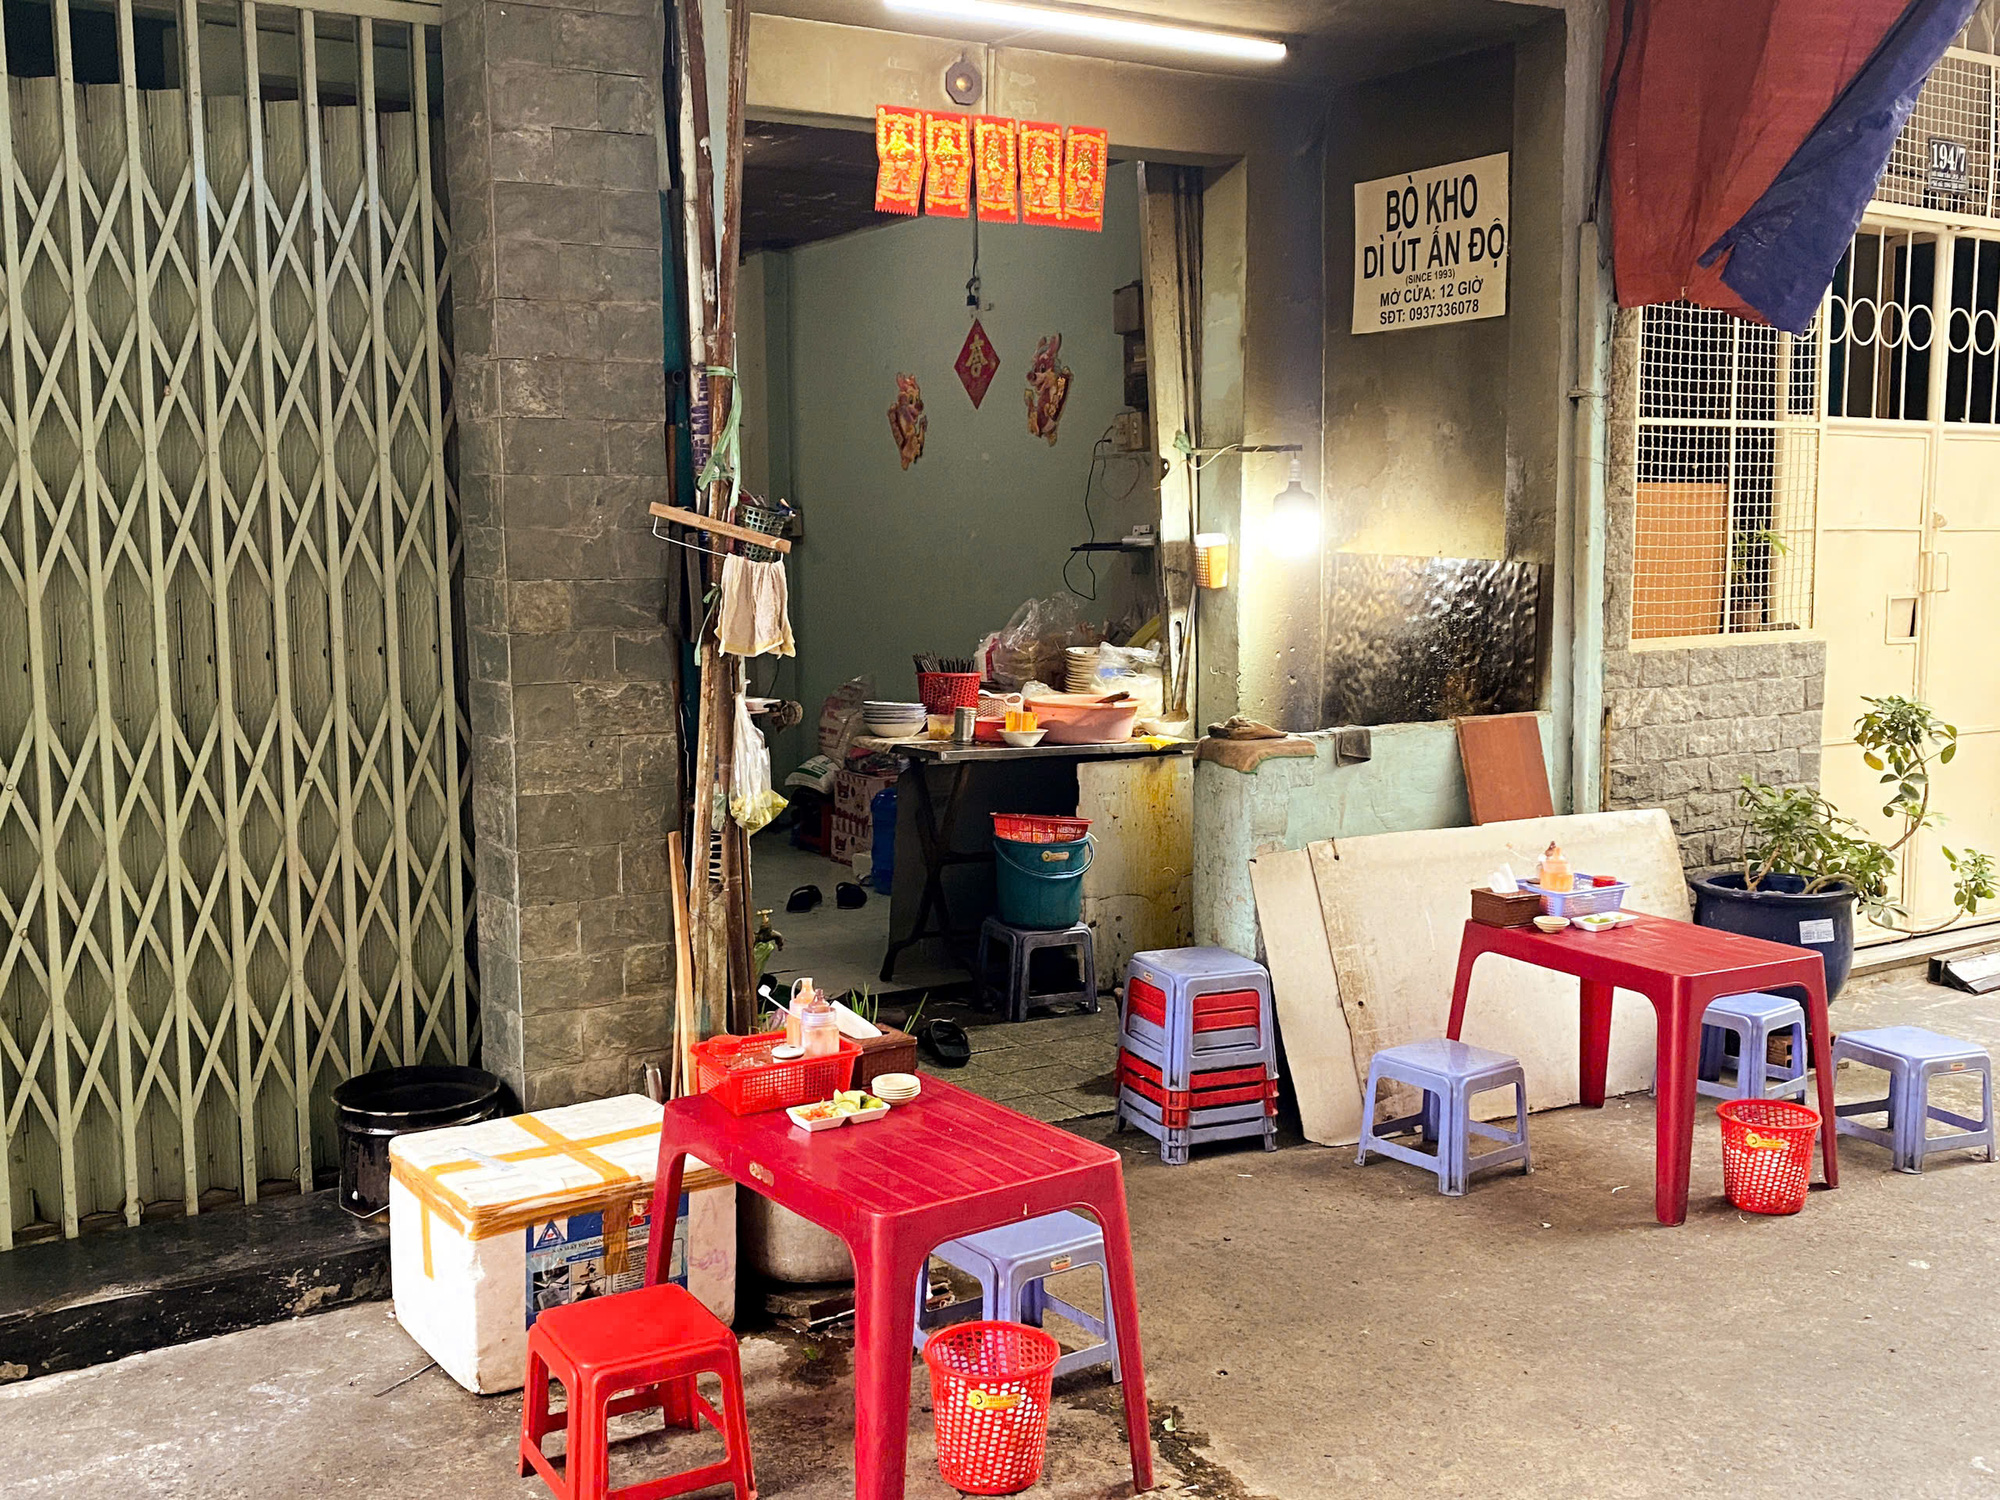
(1080, 665)
(892, 721)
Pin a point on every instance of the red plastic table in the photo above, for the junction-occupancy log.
(946, 1165)
(1680, 968)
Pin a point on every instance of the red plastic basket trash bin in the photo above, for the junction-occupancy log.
(1767, 1149)
(990, 1395)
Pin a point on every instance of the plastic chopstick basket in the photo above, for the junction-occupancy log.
(1767, 1149)
(990, 1395)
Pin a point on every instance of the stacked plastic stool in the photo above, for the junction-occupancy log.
(1197, 1053)
(1451, 1074)
(1755, 1019)
(1912, 1057)
(1013, 1264)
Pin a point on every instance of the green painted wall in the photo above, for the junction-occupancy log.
(932, 558)
(1412, 780)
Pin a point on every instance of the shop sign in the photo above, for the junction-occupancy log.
(1431, 247)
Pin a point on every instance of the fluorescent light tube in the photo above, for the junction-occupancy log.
(1101, 26)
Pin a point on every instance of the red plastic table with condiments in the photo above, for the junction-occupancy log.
(943, 1166)
(1680, 968)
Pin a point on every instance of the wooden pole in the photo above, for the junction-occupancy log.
(735, 914)
(682, 1081)
(720, 934)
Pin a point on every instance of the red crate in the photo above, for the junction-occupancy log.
(1223, 1012)
(1218, 1086)
(740, 1072)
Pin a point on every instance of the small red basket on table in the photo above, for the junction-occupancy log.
(745, 1079)
(941, 692)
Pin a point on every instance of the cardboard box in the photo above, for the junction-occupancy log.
(850, 837)
(854, 793)
(492, 1224)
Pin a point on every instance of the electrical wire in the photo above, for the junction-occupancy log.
(1098, 458)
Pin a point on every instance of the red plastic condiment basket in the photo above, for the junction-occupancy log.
(990, 1395)
(1038, 828)
(1767, 1149)
(941, 692)
(745, 1079)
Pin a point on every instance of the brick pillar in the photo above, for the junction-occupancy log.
(556, 286)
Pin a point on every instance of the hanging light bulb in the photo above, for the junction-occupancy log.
(1293, 528)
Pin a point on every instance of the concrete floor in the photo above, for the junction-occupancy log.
(1312, 1329)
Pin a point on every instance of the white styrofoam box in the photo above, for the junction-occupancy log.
(491, 1223)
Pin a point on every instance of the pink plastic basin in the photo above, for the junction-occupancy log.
(1084, 719)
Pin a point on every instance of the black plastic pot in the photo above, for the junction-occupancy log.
(1778, 910)
(372, 1109)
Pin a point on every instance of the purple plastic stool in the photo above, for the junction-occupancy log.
(1449, 1073)
(1912, 1057)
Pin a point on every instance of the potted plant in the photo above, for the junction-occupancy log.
(1805, 867)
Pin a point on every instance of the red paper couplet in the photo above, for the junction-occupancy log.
(1041, 173)
(947, 165)
(1084, 166)
(999, 175)
(899, 159)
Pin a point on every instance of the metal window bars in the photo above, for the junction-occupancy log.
(1727, 476)
(234, 859)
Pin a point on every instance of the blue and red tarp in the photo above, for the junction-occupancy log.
(1744, 138)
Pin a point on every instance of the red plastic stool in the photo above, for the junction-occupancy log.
(635, 1351)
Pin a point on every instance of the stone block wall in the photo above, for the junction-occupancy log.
(553, 172)
(1685, 723)
(1684, 726)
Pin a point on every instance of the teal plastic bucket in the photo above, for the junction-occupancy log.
(1041, 885)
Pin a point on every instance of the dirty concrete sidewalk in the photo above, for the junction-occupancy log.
(1312, 1329)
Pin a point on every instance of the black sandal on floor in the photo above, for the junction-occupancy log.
(945, 1043)
(805, 898)
(847, 896)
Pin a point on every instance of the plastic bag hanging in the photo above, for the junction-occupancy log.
(752, 802)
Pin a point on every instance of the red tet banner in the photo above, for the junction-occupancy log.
(1041, 173)
(947, 165)
(1007, 171)
(1084, 166)
(998, 170)
(899, 159)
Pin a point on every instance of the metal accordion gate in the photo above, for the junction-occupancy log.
(234, 857)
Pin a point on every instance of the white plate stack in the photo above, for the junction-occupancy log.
(892, 721)
(896, 1088)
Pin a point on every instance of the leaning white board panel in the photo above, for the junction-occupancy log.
(1395, 904)
(1318, 1051)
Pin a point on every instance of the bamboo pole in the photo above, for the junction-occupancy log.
(719, 909)
(682, 1079)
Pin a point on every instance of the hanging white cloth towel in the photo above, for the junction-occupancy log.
(754, 618)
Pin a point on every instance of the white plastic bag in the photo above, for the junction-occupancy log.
(752, 802)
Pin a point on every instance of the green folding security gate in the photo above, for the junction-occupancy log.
(233, 859)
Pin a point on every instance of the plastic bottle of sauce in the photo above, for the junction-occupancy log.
(820, 1028)
(802, 995)
(1556, 874)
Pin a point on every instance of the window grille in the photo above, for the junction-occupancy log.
(1728, 470)
(1954, 108)
(1880, 326)
(1972, 333)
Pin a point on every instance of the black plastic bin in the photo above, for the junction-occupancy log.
(372, 1109)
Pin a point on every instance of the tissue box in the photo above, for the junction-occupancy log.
(492, 1224)
(1515, 909)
